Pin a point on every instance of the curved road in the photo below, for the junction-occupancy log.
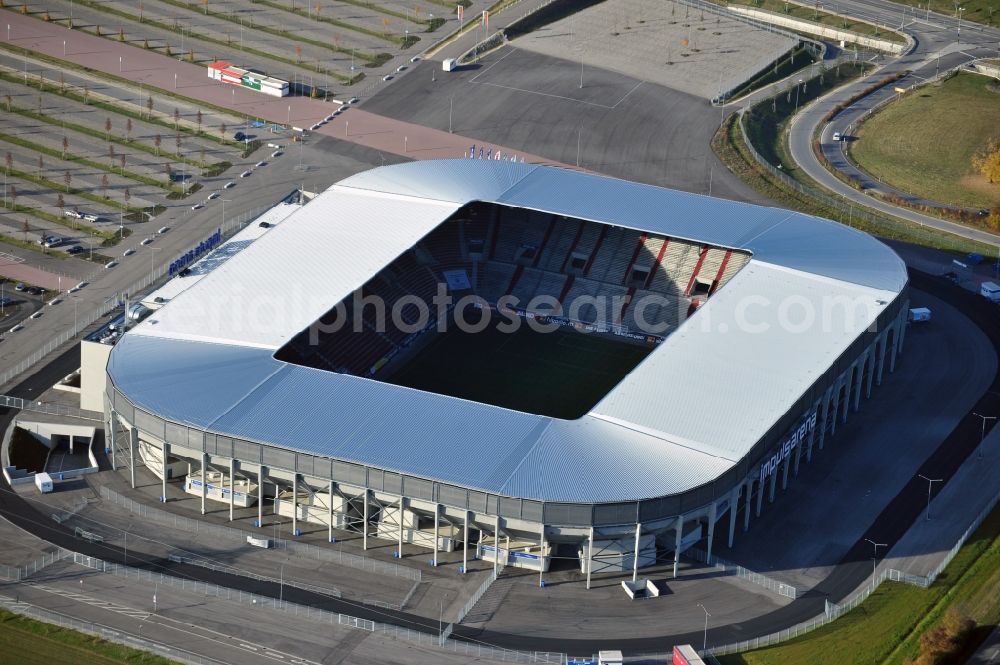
(939, 47)
(894, 520)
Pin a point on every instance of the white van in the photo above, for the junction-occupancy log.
(43, 482)
(990, 291)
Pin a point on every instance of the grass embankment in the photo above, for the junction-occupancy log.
(29, 642)
(798, 58)
(767, 129)
(886, 628)
(980, 11)
(814, 14)
(924, 142)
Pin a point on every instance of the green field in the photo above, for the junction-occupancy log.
(28, 642)
(560, 374)
(886, 628)
(975, 10)
(924, 143)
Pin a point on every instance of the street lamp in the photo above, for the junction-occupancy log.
(120, 62)
(982, 434)
(875, 555)
(704, 642)
(960, 10)
(797, 94)
(930, 484)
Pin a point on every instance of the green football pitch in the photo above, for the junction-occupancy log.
(560, 374)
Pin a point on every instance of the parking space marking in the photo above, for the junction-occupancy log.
(6, 258)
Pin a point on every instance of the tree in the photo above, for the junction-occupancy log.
(9, 159)
(198, 118)
(86, 95)
(9, 101)
(121, 161)
(157, 140)
(25, 228)
(177, 117)
(107, 129)
(987, 162)
(149, 107)
(111, 153)
(126, 196)
(104, 185)
(41, 165)
(222, 132)
(177, 142)
(169, 173)
(67, 178)
(65, 144)
(60, 202)
(128, 129)
(298, 53)
(202, 157)
(62, 83)
(13, 197)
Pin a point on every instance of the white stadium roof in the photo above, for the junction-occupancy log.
(681, 418)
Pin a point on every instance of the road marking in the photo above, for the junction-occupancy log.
(94, 602)
(10, 258)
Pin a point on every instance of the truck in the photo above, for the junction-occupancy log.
(449, 64)
(43, 482)
(917, 314)
(990, 291)
(686, 655)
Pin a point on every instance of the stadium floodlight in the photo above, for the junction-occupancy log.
(982, 434)
(875, 555)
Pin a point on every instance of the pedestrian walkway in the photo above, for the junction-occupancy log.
(159, 71)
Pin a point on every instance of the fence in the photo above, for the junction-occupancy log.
(17, 574)
(479, 593)
(106, 633)
(848, 211)
(85, 319)
(312, 551)
(730, 568)
(834, 611)
(426, 638)
(239, 572)
(223, 593)
(6, 401)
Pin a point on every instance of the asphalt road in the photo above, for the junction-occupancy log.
(938, 48)
(853, 569)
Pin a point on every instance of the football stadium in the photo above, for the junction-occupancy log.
(514, 361)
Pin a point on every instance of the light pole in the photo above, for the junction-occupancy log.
(960, 10)
(281, 583)
(875, 555)
(982, 434)
(797, 94)
(120, 63)
(930, 484)
(704, 642)
(152, 256)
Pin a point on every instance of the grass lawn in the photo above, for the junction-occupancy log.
(817, 15)
(975, 10)
(561, 373)
(28, 642)
(886, 628)
(924, 143)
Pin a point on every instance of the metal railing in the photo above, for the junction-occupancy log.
(312, 551)
(19, 573)
(202, 562)
(85, 319)
(223, 593)
(107, 633)
(9, 402)
(849, 211)
(834, 611)
(730, 568)
(476, 596)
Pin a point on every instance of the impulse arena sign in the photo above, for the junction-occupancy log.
(770, 465)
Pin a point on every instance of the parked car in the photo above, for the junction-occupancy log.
(93, 218)
(75, 249)
(836, 136)
(246, 174)
(20, 286)
(197, 206)
(239, 136)
(73, 214)
(213, 195)
(229, 185)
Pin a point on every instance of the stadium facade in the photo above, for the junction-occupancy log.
(772, 326)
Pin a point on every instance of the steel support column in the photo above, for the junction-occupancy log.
(635, 554)
(133, 443)
(163, 467)
(784, 471)
(232, 487)
(329, 513)
(204, 480)
(295, 504)
(711, 529)
(364, 521)
(590, 555)
(112, 426)
(496, 545)
(746, 513)
(402, 503)
(677, 544)
(260, 496)
(734, 504)
(465, 541)
(437, 532)
(541, 557)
